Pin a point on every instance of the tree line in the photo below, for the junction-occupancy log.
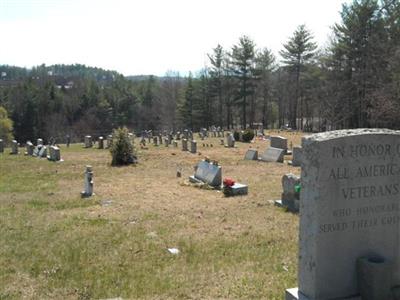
(353, 82)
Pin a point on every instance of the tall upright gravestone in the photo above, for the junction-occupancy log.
(349, 210)
(1, 146)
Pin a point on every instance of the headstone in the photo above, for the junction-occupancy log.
(349, 211)
(175, 144)
(1, 146)
(222, 142)
(193, 146)
(209, 173)
(88, 182)
(29, 148)
(290, 196)
(239, 189)
(273, 155)
(178, 135)
(166, 142)
(230, 140)
(184, 145)
(155, 141)
(109, 141)
(68, 140)
(186, 134)
(42, 152)
(88, 141)
(251, 154)
(297, 153)
(39, 142)
(54, 153)
(279, 142)
(100, 143)
(14, 147)
(160, 139)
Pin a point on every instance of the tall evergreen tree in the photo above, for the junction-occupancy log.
(243, 69)
(298, 51)
(216, 74)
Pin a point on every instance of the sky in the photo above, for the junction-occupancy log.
(137, 37)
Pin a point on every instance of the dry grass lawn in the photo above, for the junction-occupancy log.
(55, 245)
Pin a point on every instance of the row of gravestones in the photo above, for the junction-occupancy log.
(39, 150)
(88, 141)
(349, 234)
(276, 153)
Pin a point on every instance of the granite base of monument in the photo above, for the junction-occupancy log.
(239, 189)
(294, 294)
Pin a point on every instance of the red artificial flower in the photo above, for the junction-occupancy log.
(229, 182)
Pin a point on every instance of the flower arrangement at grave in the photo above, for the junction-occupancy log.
(227, 186)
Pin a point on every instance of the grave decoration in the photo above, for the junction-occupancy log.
(232, 188)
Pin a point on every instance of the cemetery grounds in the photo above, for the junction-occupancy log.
(56, 245)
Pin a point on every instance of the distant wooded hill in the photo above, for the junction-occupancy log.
(354, 82)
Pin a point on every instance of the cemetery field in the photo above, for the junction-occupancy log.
(56, 245)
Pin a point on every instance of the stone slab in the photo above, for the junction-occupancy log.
(209, 173)
(273, 155)
(239, 189)
(349, 208)
(279, 142)
(251, 154)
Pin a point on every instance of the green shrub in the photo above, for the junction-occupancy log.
(122, 149)
(248, 135)
(6, 126)
(236, 135)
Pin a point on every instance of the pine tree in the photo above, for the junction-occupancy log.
(243, 69)
(297, 53)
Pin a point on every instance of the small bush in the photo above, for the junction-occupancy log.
(122, 150)
(248, 135)
(236, 136)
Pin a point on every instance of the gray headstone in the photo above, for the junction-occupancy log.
(209, 173)
(100, 143)
(54, 153)
(273, 155)
(155, 141)
(230, 140)
(1, 146)
(349, 209)
(109, 141)
(296, 160)
(14, 147)
(29, 148)
(184, 145)
(39, 142)
(279, 142)
(290, 198)
(88, 141)
(251, 154)
(193, 146)
(88, 182)
(175, 144)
